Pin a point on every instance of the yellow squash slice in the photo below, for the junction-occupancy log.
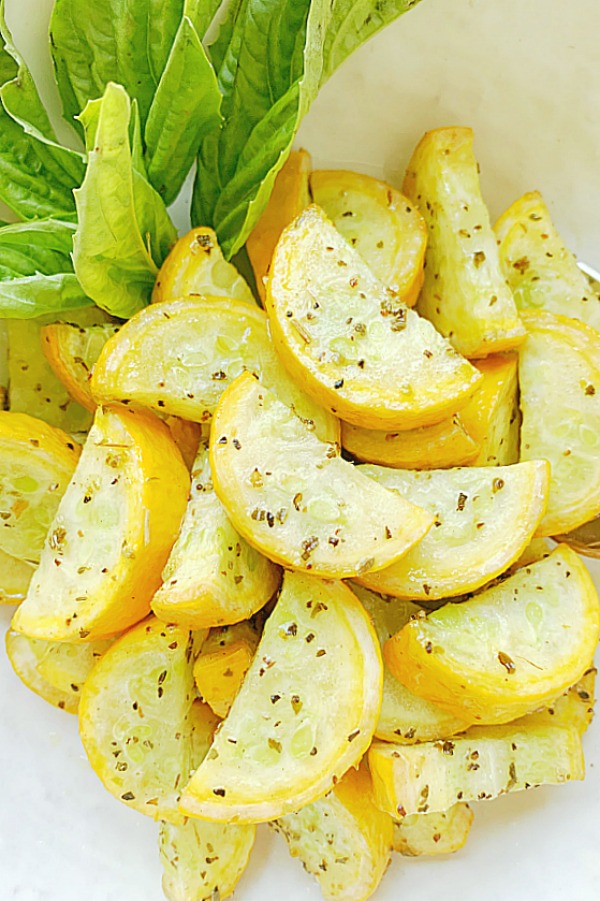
(405, 717)
(343, 839)
(484, 433)
(179, 357)
(295, 499)
(507, 651)
(203, 860)
(492, 416)
(34, 388)
(384, 226)
(559, 374)
(351, 341)
(15, 576)
(305, 713)
(196, 266)
(289, 197)
(72, 350)
(56, 671)
(222, 664)
(112, 533)
(574, 707)
(485, 762)
(36, 462)
(485, 517)
(432, 834)
(4, 377)
(447, 443)
(541, 272)
(134, 718)
(213, 577)
(464, 294)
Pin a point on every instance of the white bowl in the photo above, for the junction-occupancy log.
(526, 76)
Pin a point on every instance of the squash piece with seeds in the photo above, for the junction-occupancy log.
(508, 650)
(37, 462)
(464, 293)
(72, 351)
(481, 764)
(559, 375)
(203, 860)
(384, 226)
(343, 839)
(135, 717)
(432, 834)
(305, 713)
(54, 670)
(196, 266)
(541, 272)
(354, 345)
(111, 534)
(178, 357)
(213, 577)
(405, 717)
(295, 499)
(485, 516)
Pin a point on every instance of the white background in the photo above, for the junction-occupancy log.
(526, 75)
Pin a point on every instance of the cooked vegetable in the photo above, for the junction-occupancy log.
(111, 534)
(541, 272)
(203, 860)
(213, 577)
(405, 717)
(178, 358)
(464, 293)
(353, 343)
(484, 433)
(384, 226)
(343, 839)
(294, 498)
(508, 650)
(447, 443)
(574, 707)
(290, 195)
(485, 517)
(54, 670)
(559, 380)
(135, 718)
(15, 576)
(485, 762)
(196, 266)
(222, 664)
(37, 462)
(72, 350)
(289, 739)
(433, 834)
(34, 388)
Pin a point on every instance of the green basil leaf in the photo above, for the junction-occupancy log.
(37, 175)
(354, 22)
(276, 51)
(125, 41)
(124, 231)
(201, 13)
(186, 107)
(36, 270)
(36, 179)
